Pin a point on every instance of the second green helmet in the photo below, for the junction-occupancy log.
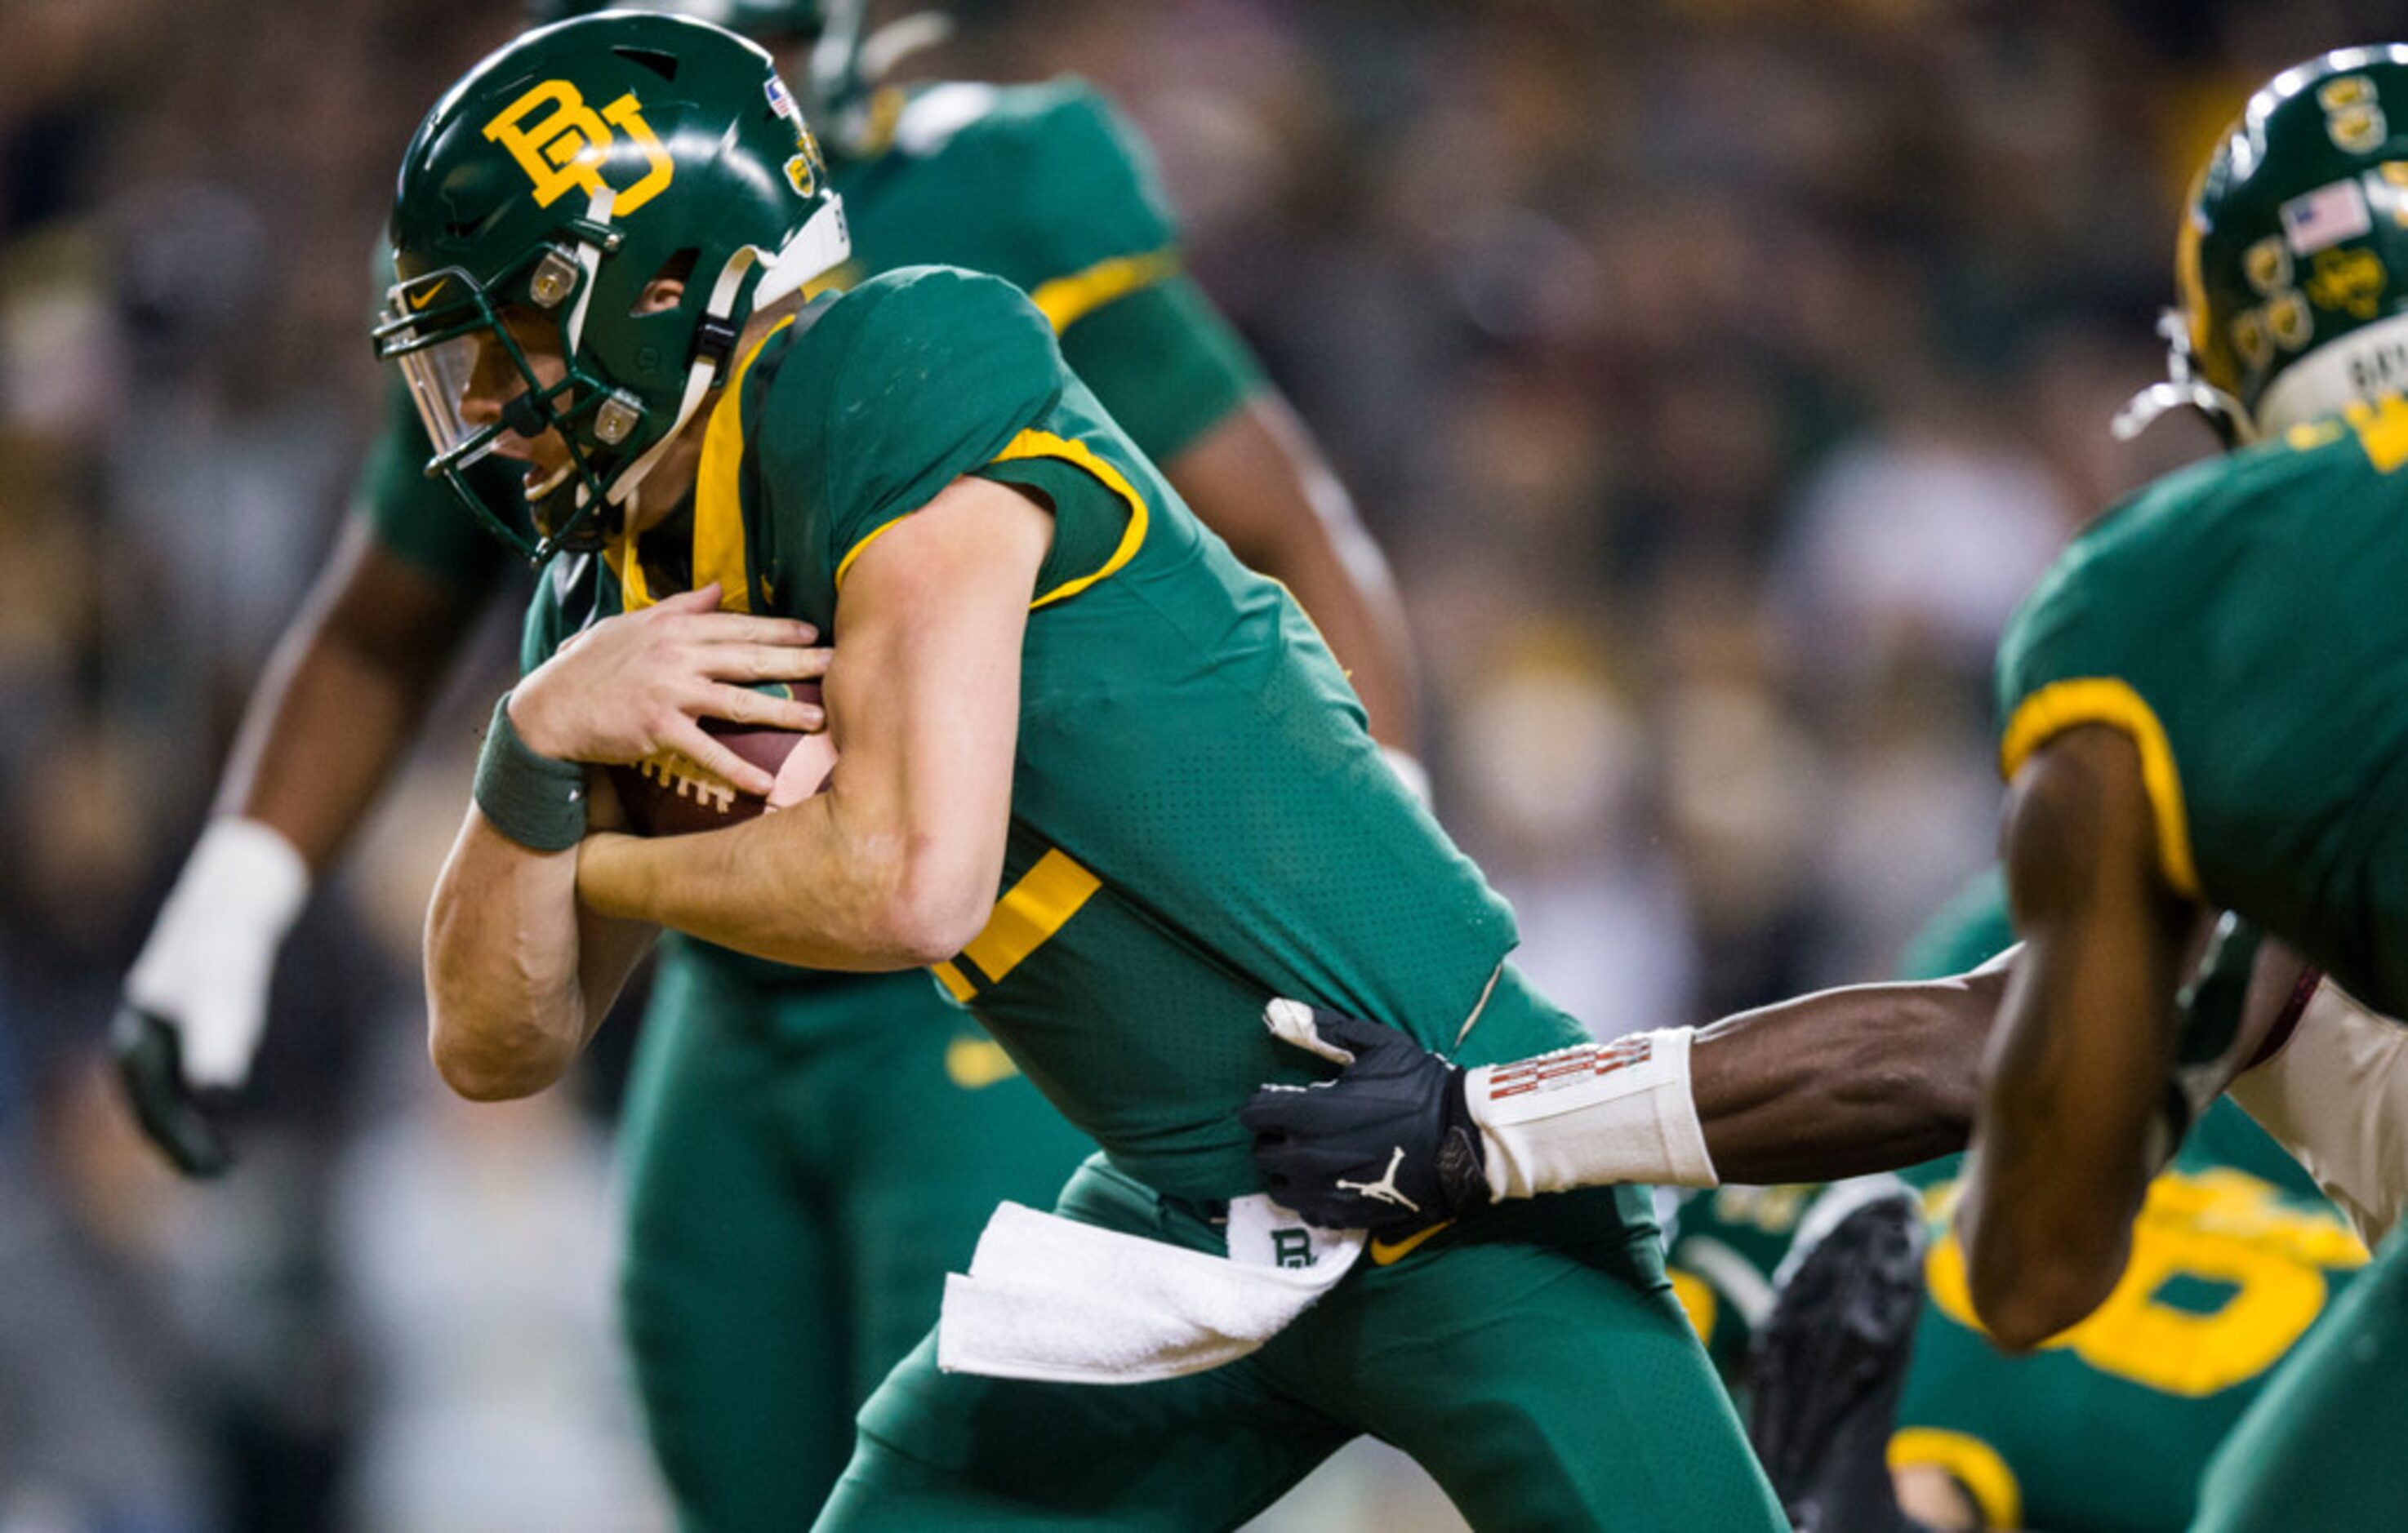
(2293, 256)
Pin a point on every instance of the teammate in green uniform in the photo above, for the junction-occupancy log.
(2198, 715)
(1106, 783)
(2110, 1429)
(788, 1227)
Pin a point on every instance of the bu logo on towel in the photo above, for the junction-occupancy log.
(1291, 1248)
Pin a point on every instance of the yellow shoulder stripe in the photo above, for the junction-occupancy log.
(2061, 705)
(718, 507)
(1972, 1462)
(1044, 444)
(1067, 300)
(854, 552)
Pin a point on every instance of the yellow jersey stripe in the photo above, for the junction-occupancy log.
(1067, 300)
(1029, 912)
(2061, 705)
(1044, 444)
(718, 508)
(872, 536)
(1972, 1462)
(956, 983)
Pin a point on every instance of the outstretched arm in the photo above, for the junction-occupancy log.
(1837, 1084)
(2077, 1070)
(1843, 1083)
(338, 704)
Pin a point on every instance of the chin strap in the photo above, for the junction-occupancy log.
(2183, 389)
(818, 245)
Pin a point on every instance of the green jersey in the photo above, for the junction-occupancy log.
(2109, 1428)
(1045, 187)
(1199, 821)
(2241, 620)
(1042, 185)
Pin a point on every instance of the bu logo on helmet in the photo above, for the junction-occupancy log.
(564, 149)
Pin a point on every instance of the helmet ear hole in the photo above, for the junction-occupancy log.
(677, 269)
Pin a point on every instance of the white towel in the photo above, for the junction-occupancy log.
(1053, 1299)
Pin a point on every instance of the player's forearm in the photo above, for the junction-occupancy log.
(819, 885)
(2062, 1157)
(1258, 481)
(342, 697)
(506, 975)
(1870, 1078)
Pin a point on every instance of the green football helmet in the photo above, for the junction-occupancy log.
(551, 186)
(840, 83)
(2292, 263)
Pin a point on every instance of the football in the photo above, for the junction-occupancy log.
(668, 794)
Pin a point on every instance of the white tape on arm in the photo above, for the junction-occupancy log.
(1601, 1113)
(2336, 1097)
(207, 961)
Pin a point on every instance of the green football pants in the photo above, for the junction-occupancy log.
(2320, 1449)
(803, 1168)
(1534, 1361)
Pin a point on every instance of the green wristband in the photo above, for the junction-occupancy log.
(534, 800)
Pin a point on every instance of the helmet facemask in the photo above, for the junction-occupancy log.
(688, 163)
(437, 347)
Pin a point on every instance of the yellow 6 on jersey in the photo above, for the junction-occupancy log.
(563, 149)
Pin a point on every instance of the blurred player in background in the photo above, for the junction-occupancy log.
(787, 1228)
(1109, 785)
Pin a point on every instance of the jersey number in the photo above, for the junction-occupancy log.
(2223, 1280)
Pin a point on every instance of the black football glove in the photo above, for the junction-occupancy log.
(1389, 1144)
(150, 1055)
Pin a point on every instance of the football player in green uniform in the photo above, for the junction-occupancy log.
(788, 1226)
(1107, 785)
(2196, 706)
(2109, 1428)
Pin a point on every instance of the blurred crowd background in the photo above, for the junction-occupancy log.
(1717, 374)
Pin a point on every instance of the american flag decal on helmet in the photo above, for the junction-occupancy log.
(1575, 1066)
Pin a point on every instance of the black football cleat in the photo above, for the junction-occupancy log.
(1830, 1362)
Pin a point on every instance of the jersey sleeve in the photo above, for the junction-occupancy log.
(932, 373)
(419, 519)
(2089, 647)
(1139, 330)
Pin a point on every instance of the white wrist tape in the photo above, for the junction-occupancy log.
(205, 966)
(2336, 1097)
(1601, 1113)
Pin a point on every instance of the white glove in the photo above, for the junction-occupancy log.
(196, 999)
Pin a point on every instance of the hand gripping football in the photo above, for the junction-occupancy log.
(668, 794)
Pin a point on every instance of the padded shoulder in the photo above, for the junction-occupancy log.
(905, 383)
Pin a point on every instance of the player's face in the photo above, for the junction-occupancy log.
(496, 380)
